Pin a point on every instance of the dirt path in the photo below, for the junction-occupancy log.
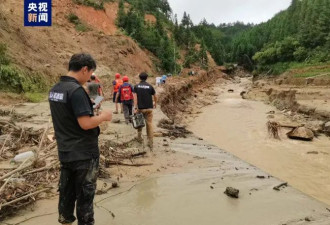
(239, 126)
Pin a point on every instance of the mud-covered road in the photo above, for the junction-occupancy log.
(239, 127)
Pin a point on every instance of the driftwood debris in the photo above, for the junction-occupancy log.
(21, 185)
(273, 129)
(23, 197)
(278, 187)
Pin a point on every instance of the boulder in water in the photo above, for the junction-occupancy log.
(301, 133)
(232, 192)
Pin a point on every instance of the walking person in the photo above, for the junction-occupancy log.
(125, 94)
(98, 81)
(76, 131)
(116, 84)
(94, 88)
(145, 100)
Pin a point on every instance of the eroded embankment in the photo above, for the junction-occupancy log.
(182, 96)
(300, 104)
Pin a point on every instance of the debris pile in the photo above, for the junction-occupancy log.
(29, 165)
(114, 154)
(31, 172)
(173, 130)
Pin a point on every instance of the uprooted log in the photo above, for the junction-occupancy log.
(273, 129)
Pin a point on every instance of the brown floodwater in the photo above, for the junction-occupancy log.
(239, 127)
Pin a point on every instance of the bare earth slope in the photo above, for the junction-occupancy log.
(48, 49)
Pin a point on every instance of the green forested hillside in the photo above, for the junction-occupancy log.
(300, 34)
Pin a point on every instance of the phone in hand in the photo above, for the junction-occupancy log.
(97, 101)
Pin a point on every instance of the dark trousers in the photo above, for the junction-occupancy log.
(128, 108)
(77, 186)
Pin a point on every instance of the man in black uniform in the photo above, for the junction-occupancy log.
(76, 132)
(144, 101)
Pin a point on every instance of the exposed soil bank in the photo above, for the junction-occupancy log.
(178, 97)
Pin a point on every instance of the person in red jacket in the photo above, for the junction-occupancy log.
(125, 94)
(116, 84)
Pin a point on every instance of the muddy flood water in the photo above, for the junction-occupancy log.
(239, 127)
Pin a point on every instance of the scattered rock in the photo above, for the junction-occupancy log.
(232, 192)
(301, 133)
(114, 184)
(158, 134)
(211, 187)
(326, 127)
(165, 143)
(231, 91)
(201, 139)
(261, 177)
(315, 126)
(271, 112)
(308, 219)
(243, 94)
(116, 121)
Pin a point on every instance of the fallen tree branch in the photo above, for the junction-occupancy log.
(126, 164)
(138, 154)
(42, 139)
(4, 143)
(42, 169)
(20, 168)
(4, 185)
(24, 197)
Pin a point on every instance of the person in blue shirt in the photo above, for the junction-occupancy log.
(164, 77)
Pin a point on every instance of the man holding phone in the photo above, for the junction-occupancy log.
(76, 131)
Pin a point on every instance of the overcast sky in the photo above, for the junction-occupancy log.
(225, 11)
